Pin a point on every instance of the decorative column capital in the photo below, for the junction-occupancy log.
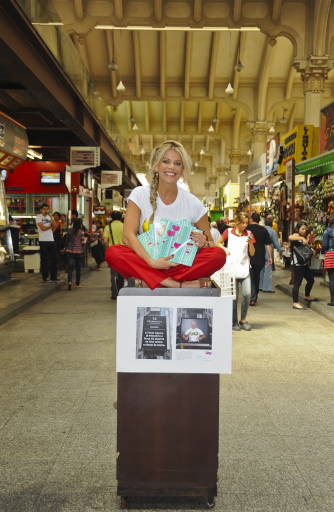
(235, 156)
(221, 169)
(213, 178)
(259, 130)
(314, 73)
(207, 185)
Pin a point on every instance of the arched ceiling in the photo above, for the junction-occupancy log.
(176, 58)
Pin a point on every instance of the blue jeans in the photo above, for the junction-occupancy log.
(74, 259)
(246, 291)
(266, 277)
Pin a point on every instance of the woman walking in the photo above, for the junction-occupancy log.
(240, 246)
(97, 246)
(300, 270)
(327, 249)
(75, 243)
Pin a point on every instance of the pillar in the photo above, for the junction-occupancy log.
(235, 157)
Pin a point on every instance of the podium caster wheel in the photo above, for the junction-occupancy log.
(210, 504)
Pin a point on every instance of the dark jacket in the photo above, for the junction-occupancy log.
(328, 240)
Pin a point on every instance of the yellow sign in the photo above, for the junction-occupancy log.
(300, 143)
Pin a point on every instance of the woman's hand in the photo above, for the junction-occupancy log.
(198, 238)
(163, 263)
(302, 239)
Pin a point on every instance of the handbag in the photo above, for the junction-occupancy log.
(303, 253)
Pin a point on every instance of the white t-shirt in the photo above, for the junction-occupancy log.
(194, 334)
(44, 236)
(185, 207)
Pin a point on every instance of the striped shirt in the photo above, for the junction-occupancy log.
(75, 243)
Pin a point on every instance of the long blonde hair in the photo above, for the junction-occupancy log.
(156, 157)
(240, 217)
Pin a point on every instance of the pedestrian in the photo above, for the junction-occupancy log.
(266, 275)
(164, 199)
(222, 224)
(47, 246)
(258, 260)
(97, 246)
(300, 270)
(75, 243)
(214, 231)
(327, 248)
(240, 246)
(113, 234)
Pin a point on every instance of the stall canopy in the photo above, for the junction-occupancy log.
(321, 164)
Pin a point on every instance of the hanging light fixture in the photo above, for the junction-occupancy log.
(112, 65)
(120, 87)
(211, 129)
(201, 152)
(142, 151)
(229, 89)
(135, 127)
(283, 120)
(131, 119)
(215, 119)
(238, 67)
(249, 152)
(272, 130)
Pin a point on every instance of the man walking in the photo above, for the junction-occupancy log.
(267, 271)
(113, 235)
(257, 261)
(47, 246)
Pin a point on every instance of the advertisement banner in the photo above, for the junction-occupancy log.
(160, 335)
(326, 132)
(13, 143)
(298, 144)
(273, 153)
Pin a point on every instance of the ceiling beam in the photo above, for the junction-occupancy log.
(267, 62)
(78, 9)
(289, 83)
(162, 41)
(118, 9)
(136, 53)
(320, 33)
(241, 46)
(237, 10)
(147, 116)
(187, 66)
(213, 62)
(164, 117)
(182, 107)
(200, 117)
(197, 10)
(158, 10)
(277, 6)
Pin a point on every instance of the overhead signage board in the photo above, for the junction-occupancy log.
(273, 153)
(111, 178)
(84, 157)
(298, 144)
(13, 143)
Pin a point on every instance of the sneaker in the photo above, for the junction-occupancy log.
(252, 303)
(245, 326)
(236, 327)
(56, 280)
(331, 303)
(47, 280)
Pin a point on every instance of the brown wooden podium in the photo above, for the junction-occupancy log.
(167, 434)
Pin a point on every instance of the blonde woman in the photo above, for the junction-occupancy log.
(240, 246)
(165, 199)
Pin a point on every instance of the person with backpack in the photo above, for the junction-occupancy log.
(300, 265)
(112, 235)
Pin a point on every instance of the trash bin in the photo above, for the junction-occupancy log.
(31, 258)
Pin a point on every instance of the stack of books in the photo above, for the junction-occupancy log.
(168, 237)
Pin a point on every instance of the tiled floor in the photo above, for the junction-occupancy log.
(58, 423)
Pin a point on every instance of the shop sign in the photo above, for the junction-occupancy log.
(248, 189)
(326, 131)
(83, 191)
(111, 179)
(13, 143)
(298, 144)
(273, 154)
(84, 157)
(289, 173)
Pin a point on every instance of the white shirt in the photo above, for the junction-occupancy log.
(44, 236)
(185, 207)
(194, 334)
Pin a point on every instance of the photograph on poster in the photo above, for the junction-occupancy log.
(194, 329)
(154, 328)
(169, 338)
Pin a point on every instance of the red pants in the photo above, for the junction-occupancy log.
(127, 263)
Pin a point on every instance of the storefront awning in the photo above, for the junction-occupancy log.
(321, 164)
(265, 178)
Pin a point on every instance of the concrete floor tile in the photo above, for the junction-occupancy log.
(18, 502)
(254, 447)
(27, 478)
(266, 503)
(318, 473)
